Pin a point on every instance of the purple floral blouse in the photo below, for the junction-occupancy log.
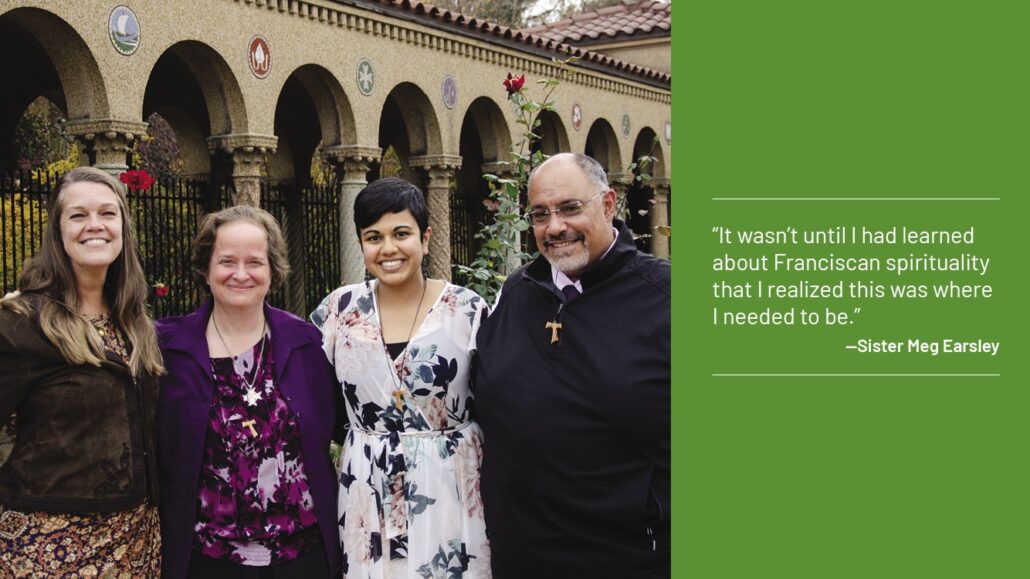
(255, 504)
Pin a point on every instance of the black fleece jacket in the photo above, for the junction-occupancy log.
(575, 478)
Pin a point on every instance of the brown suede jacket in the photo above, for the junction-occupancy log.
(85, 438)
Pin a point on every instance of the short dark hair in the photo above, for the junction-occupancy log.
(204, 244)
(390, 195)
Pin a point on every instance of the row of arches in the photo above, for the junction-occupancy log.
(193, 88)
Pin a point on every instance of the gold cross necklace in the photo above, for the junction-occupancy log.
(398, 394)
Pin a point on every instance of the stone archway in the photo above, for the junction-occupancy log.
(174, 93)
(640, 195)
(485, 146)
(193, 89)
(603, 146)
(409, 127)
(553, 136)
(347, 166)
(312, 114)
(46, 57)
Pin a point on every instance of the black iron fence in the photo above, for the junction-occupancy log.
(463, 231)
(166, 217)
(309, 217)
(23, 215)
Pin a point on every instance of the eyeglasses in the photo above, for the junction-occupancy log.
(537, 217)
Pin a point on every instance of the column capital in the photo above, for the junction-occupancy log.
(90, 129)
(623, 180)
(436, 162)
(245, 143)
(249, 154)
(502, 169)
(351, 153)
(661, 183)
(108, 141)
(351, 161)
(439, 168)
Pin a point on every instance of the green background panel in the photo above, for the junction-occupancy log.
(851, 476)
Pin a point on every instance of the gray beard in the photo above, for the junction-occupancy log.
(572, 264)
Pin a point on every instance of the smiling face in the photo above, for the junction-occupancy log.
(239, 274)
(393, 249)
(91, 227)
(571, 244)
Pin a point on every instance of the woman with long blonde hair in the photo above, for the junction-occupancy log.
(80, 364)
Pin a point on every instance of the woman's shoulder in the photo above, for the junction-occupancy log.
(168, 327)
(464, 295)
(15, 311)
(288, 319)
(345, 296)
(293, 324)
(21, 304)
(20, 328)
(182, 332)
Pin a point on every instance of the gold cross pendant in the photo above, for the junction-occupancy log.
(250, 424)
(554, 327)
(398, 399)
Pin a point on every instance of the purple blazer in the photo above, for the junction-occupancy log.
(306, 381)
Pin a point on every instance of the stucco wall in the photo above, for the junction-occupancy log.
(100, 83)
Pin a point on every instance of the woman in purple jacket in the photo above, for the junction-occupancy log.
(245, 418)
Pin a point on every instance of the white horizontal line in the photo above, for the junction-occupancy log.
(856, 198)
(847, 375)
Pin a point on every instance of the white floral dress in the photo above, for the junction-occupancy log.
(409, 500)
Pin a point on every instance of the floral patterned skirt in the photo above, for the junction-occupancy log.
(123, 544)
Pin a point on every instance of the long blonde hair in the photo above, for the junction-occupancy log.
(50, 278)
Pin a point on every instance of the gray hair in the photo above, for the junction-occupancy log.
(591, 169)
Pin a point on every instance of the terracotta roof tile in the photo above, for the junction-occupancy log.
(623, 20)
(650, 13)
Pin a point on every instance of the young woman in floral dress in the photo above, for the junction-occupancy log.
(409, 501)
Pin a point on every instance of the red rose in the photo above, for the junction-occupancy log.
(514, 84)
(137, 180)
(160, 290)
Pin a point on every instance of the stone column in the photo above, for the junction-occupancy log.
(660, 217)
(351, 163)
(620, 183)
(440, 170)
(249, 155)
(108, 142)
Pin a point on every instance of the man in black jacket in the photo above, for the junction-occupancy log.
(573, 390)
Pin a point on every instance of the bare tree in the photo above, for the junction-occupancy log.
(518, 14)
(507, 12)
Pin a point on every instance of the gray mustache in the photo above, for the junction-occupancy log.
(552, 240)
